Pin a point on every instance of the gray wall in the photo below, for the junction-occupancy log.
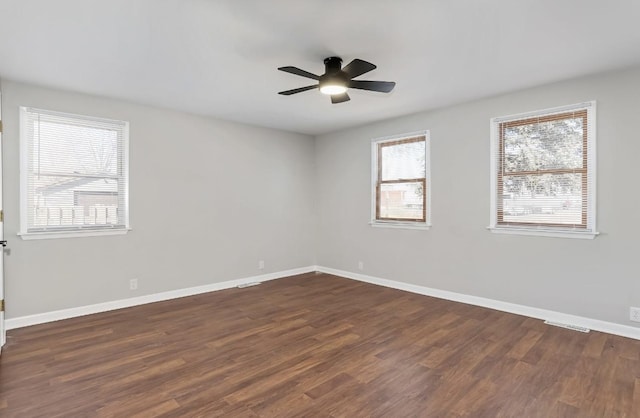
(597, 278)
(208, 199)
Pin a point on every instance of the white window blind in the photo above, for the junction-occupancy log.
(74, 173)
(544, 170)
(400, 179)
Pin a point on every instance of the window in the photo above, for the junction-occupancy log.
(74, 175)
(543, 172)
(400, 181)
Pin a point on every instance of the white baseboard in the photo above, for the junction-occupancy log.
(543, 314)
(41, 318)
(594, 324)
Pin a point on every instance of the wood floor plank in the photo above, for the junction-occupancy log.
(525, 344)
(315, 345)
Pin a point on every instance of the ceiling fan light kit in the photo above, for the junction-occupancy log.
(332, 89)
(336, 80)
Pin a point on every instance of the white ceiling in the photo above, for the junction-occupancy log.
(219, 57)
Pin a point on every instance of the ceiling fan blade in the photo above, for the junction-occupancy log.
(358, 67)
(300, 90)
(298, 71)
(340, 98)
(381, 86)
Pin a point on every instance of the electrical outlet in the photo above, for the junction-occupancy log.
(133, 284)
(260, 264)
(360, 265)
(634, 314)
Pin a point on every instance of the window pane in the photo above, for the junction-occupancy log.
(403, 161)
(544, 145)
(401, 201)
(546, 198)
(75, 172)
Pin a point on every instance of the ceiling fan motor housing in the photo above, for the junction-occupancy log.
(333, 74)
(332, 64)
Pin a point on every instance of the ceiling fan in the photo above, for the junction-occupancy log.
(336, 80)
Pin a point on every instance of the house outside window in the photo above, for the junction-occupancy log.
(543, 172)
(400, 181)
(74, 175)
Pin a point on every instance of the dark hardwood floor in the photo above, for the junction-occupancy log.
(315, 346)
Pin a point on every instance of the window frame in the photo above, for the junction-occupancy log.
(83, 230)
(376, 181)
(587, 227)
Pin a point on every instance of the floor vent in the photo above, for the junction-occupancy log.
(568, 326)
(243, 285)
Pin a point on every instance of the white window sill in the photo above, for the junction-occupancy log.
(541, 232)
(400, 225)
(71, 234)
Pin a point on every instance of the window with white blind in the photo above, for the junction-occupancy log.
(543, 172)
(74, 175)
(400, 181)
